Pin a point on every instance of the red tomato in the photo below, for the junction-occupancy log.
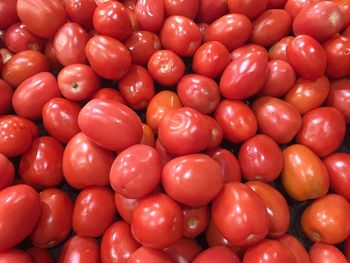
(296, 248)
(240, 214)
(40, 255)
(244, 76)
(307, 57)
(193, 180)
(277, 118)
(193, 135)
(125, 206)
(118, 244)
(157, 222)
(110, 116)
(249, 8)
(214, 237)
(187, 8)
(273, 4)
(8, 13)
(166, 67)
(293, 7)
(231, 37)
(51, 55)
(32, 94)
(55, 221)
(209, 10)
(149, 14)
(148, 135)
(6, 97)
(195, 220)
(339, 97)
(42, 17)
(164, 155)
(304, 176)
(323, 253)
(105, 50)
(236, 119)
(344, 6)
(85, 163)
(15, 255)
(183, 250)
(16, 203)
(81, 12)
(83, 249)
(278, 51)
(109, 94)
(217, 134)
(248, 48)
(7, 172)
(144, 254)
(217, 254)
(306, 95)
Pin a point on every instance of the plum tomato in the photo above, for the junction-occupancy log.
(248, 48)
(249, 8)
(324, 253)
(149, 14)
(196, 220)
(278, 51)
(209, 10)
(220, 254)
(339, 97)
(8, 13)
(7, 172)
(296, 247)
(184, 250)
(293, 7)
(187, 8)
(109, 93)
(6, 97)
(81, 12)
(344, 6)
(144, 254)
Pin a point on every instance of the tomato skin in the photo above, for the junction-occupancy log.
(278, 51)
(293, 7)
(249, 8)
(60, 119)
(103, 50)
(154, 215)
(81, 12)
(148, 135)
(217, 134)
(339, 97)
(40, 255)
(6, 97)
(324, 253)
(187, 8)
(144, 254)
(236, 119)
(220, 253)
(214, 237)
(118, 244)
(244, 76)
(210, 10)
(125, 206)
(7, 172)
(193, 180)
(51, 55)
(246, 227)
(149, 14)
(85, 163)
(306, 95)
(268, 111)
(304, 176)
(17, 202)
(24, 65)
(344, 6)
(183, 250)
(15, 255)
(248, 48)
(307, 57)
(8, 13)
(231, 37)
(109, 94)
(195, 220)
(297, 249)
(110, 116)
(80, 249)
(32, 94)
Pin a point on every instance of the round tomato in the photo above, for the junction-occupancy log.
(7, 172)
(15, 255)
(81, 12)
(144, 254)
(217, 254)
(249, 8)
(6, 97)
(149, 14)
(296, 247)
(323, 253)
(339, 97)
(184, 250)
(40, 255)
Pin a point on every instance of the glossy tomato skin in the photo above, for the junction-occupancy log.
(293, 7)
(37, 16)
(278, 51)
(217, 134)
(344, 6)
(248, 48)
(339, 97)
(81, 12)
(246, 227)
(17, 202)
(249, 8)
(104, 50)
(125, 206)
(110, 116)
(32, 94)
(144, 254)
(15, 255)
(157, 221)
(187, 8)
(55, 221)
(268, 111)
(6, 97)
(85, 163)
(195, 220)
(193, 180)
(51, 55)
(183, 250)
(307, 57)
(149, 14)
(236, 119)
(326, 220)
(8, 13)
(109, 93)
(324, 253)
(40, 255)
(118, 244)
(83, 249)
(214, 237)
(7, 172)
(218, 253)
(210, 10)
(304, 175)
(296, 247)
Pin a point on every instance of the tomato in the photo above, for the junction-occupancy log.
(214, 237)
(269, 251)
(344, 6)
(183, 250)
(221, 30)
(195, 220)
(15, 255)
(323, 253)
(166, 67)
(296, 248)
(278, 51)
(236, 119)
(81, 12)
(142, 45)
(24, 65)
(326, 220)
(306, 95)
(17, 202)
(249, 8)
(7, 172)
(293, 7)
(149, 14)
(125, 206)
(32, 94)
(209, 10)
(164, 155)
(328, 16)
(148, 135)
(220, 254)
(277, 118)
(210, 59)
(51, 55)
(307, 57)
(157, 221)
(18, 38)
(8, 13)
(193, 135)
(188, 8)
(217, 134)
(40, 255)
(240, 214)
(80, 249)
(137, 87)
(144, 254)
(105, 50)
(85, 163)
(6, 97)
(109, 94)
(198, 92)
(304, 176)
(109, 116)
(339, 97)
(118, 244)
(336, 48)
(244, 76)
(248, 48)
(69, 44)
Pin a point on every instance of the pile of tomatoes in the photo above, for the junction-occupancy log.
(174, 131)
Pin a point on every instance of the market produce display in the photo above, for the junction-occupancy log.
(175, 131)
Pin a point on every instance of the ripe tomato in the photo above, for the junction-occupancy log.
(187, 8)
(15, 255)
(296, 248)
(184, 250)
(209, 10)
(51, 55)
(339, 97)
(110, 116)
(344, 6)
(82, 248)
(125, 206)
(214, 237)
(6, 97)
(81, 12)
(304, 176)
(55, 221)
(246, 49)
(347, 248)
(240, 214)
(157, 221)
(195, 220)
(85, 163)
(40, 255)
(109, 93)
(144, 254)
(278, 51)
(217, 134)
(164, 155)
(149, 14)
(16, 203)
(323, 253)
(8, 13)
(193, 180)
(249, 8)
(7, 172)
(217, 254)
(148, 135)
(293, 7)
